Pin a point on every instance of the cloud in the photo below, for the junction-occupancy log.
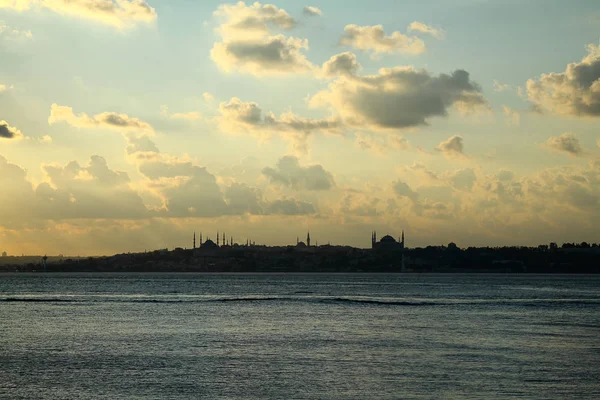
(288, 172)
(3, 88)
(238, 116)
(416, 26)
(500, 87)
(269, 56)
(400, 97)
(512, 116)
(248, 44)
(191, 191)
(401, 189)
(117, 13)
(94, 191)
(241, 21)
(190, 116)
(575, 92)
(312, 11)
(207, 96)
(106, 120)
(598, 143)
(12, 33)
(452, 147)
(380, 143)
(344, 64)
(373, 38)
(505, 175)
(9, 132)
(290, 207)
(463, 179)
(567, 143)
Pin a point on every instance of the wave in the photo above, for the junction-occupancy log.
(379, 302)
(541, 303)
(37, 300)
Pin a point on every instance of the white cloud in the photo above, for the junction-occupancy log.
(190, 116)
(417, 26)
(12, 33)
(512, 116)
(373, 38)
(238, 116)
(117, 13)
(5, 88)
(106, 120)
(207, 96)
(312, 11)
(381, 143)
(574, 92)
(500, 87)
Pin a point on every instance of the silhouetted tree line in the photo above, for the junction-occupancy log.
(568, 258)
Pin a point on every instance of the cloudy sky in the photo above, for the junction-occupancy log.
(125, 125)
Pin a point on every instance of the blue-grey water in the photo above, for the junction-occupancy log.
(186, 336)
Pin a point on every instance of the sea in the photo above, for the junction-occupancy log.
(299, 336)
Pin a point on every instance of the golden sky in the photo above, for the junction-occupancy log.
(127, 125)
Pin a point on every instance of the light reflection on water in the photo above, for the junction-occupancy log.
(179, 336)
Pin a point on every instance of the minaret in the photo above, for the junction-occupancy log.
(297, 240)
(308, 239)
(224, 239)
(200, 239)
(217, 238)
(194, 241)
(403, 239)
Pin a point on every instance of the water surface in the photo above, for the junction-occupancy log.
(182, 336)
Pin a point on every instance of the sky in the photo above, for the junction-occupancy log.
(126, 125)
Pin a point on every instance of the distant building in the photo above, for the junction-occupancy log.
(4, 254)
(387, 243)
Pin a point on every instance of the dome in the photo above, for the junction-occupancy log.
(209, 244)
(387, 239)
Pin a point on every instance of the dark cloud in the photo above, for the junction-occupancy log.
(567, 143)
(576, 91)
(275, 54)
(288, 172)
(403, 190)
(452, 147)
(290, 207)
(9, 132)
(463, 179)
(400, 97)
(249, 46)
(341, 64)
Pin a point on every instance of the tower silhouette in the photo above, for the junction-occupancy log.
(194, 241)
(308, 239)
